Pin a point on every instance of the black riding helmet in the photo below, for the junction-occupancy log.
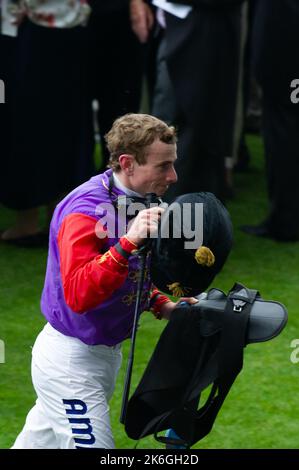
(194, 240)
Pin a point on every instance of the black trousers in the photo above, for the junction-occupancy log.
(281, 139)
(7, 52)
(276, 65)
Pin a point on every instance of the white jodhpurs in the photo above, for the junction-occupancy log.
(74, 383)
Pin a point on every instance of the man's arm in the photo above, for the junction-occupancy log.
(89, 277)
(162, 306)
(142, 19)
(157, 302)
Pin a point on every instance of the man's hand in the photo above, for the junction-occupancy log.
(145, 225)
(142, 19)
(17, 9)
(167, 308)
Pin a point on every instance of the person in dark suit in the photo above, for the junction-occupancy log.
(202, 56)
(117, 62)
(276, 66)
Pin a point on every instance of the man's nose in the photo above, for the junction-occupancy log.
(172, 176)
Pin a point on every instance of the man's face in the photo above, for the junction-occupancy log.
(158, 172)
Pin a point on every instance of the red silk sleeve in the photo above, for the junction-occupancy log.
(89, 277)
(157, 300)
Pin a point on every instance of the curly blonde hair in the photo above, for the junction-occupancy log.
(133, 133)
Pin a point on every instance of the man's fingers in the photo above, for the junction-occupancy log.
(145, 224)
(189, 300)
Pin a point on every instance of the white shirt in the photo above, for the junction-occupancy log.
(118, 184)
(53, 13)
(180, 11)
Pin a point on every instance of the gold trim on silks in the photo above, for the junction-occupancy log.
(204, 256)
(177, 290)
(128, 299)
(134, 275)
(103, 257)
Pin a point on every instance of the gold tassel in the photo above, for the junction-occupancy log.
(176, 289)
(204, 256)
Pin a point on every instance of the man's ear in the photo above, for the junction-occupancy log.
(126, 162)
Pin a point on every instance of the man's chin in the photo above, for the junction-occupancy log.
(160, 192)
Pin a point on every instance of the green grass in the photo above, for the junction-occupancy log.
(262, 408)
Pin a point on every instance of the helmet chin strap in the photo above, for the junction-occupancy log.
(125, 200)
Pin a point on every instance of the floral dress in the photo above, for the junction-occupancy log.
(52, 13)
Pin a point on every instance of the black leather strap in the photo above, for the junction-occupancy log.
(121, 251)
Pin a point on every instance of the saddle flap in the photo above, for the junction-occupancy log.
(266, 319)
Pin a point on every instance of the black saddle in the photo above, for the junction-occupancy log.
(266, 318)
(201, 345)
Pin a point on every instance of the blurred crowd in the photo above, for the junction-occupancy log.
(215, 69)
